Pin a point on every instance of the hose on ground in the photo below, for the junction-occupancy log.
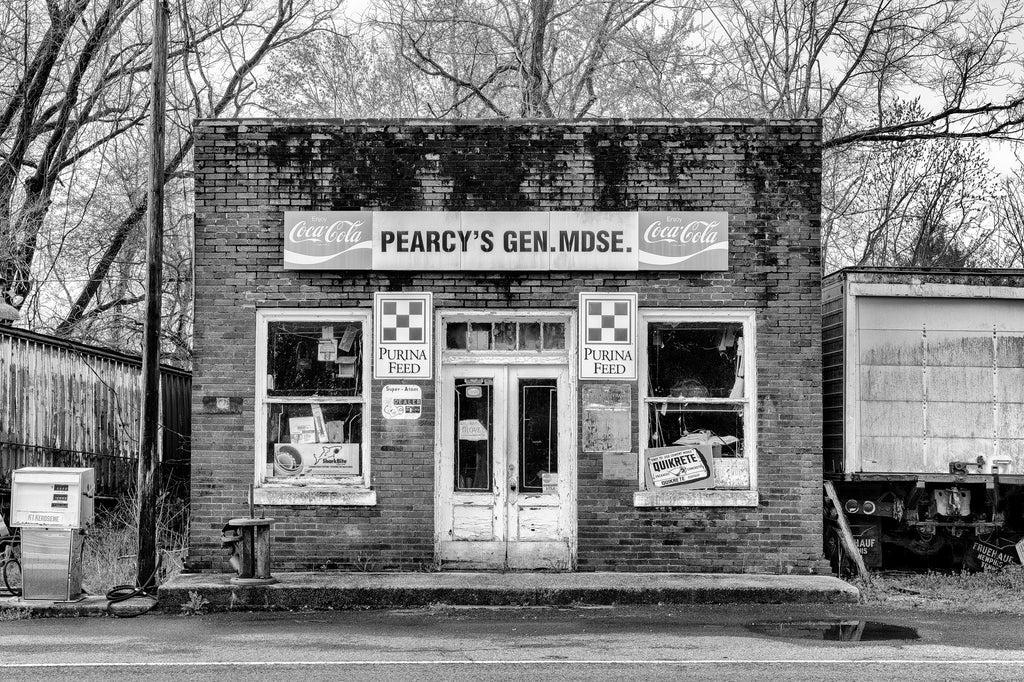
(122, 593)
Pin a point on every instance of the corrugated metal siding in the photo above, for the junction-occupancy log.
(67, 404)
(833, 310)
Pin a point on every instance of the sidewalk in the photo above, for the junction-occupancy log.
(322, 591)
(335, 591)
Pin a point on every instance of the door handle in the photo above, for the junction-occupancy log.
(512, 487)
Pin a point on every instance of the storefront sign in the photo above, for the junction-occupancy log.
(402, 324)
(330, 240)
(684, 240)
(688, 467)
(607, 337)
(472, 430)
(506, 240)
(607, 419)
(401, 402)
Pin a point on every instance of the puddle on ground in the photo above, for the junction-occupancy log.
(835, 630)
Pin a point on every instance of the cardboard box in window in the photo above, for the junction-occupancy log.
(298, 460)
(679, 467)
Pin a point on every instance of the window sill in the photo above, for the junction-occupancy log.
(314, 496)
(695, 498)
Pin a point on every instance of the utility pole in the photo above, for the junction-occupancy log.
(149, 472)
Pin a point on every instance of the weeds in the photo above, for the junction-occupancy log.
(15, 613)
(987, 592)
(195, 605)
(109, 556)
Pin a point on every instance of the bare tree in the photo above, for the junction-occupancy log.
(1009, 222)
(846, 60)
(544, 58)
(914, 203)
(72, 104)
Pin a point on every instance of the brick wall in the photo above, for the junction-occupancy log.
(765, 175)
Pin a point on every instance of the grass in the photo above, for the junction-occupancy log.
(109, 556)
(988, 592)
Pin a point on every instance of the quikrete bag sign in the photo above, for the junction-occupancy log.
(506, 240)
(680, 467)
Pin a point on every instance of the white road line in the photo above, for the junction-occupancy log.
(559, 662)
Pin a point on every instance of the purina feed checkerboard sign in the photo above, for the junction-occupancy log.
(402, 324)
(607, 336)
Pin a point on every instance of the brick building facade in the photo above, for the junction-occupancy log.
(727, 360)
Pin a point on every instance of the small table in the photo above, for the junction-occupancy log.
(253, 551)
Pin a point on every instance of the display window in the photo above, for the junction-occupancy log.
(313, 386)
(698, 427)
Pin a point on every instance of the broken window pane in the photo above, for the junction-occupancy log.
(696, 360)
(479, 336)
(456, 335)
(314, 359)
(720, 426)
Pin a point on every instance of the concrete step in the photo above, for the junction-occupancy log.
(327, 591)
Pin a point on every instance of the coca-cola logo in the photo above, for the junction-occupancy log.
(693, 232)
(336, 232)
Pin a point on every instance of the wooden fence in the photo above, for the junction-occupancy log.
(68, 404)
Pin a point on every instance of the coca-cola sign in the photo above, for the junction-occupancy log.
(684, 240)
(328, 240)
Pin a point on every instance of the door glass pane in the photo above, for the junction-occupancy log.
(504, 336)
(538, 435)
(474, 435)
(554, 335)
(529, 336)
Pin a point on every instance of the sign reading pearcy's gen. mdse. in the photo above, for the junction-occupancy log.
(506, 240)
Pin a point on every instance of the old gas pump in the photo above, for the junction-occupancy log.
(53, 507)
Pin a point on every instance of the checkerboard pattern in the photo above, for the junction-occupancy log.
(403, 322)
(608, 322)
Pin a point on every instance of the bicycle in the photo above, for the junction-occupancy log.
(10, 563)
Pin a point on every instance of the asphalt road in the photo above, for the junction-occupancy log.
(481, 644)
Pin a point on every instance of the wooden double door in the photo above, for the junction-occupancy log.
(506, 471)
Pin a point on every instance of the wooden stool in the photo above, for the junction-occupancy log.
(253, 551)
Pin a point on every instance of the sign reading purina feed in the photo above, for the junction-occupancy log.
(506, 240)
(402, 325)
(607, 336)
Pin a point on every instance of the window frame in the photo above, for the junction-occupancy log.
(712, 497)
(347, 490)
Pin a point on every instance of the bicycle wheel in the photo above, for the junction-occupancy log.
(12, 571)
